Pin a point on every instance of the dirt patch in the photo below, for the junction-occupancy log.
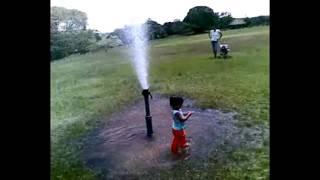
(121, 148)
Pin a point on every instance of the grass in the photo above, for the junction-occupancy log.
(86, 89)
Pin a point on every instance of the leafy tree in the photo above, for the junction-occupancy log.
(63, 19)
(225, 19)
(178, 27)
(202, 18)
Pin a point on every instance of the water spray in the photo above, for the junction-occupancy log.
(138, 35)
(146, 93)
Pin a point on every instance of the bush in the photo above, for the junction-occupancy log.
(259, 20)
(66, 43)
(178, 27)
(97, 36)
(122, 34)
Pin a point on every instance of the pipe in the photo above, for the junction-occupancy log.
(146, 93)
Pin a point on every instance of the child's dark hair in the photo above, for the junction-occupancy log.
(176, 102)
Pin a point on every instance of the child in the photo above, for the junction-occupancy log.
(178, 126)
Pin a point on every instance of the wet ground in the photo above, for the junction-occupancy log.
(121, 147)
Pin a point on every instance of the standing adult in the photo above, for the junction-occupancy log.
(215, 35)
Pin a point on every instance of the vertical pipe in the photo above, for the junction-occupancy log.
(148, 117)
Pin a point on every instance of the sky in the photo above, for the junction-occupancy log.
(106, 15)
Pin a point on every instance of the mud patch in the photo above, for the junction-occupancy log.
(121, 148)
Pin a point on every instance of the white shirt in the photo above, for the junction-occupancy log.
(215, 35)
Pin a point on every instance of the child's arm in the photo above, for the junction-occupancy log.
(188, 113)
(183, 116)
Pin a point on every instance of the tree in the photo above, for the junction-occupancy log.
(258, 20)
(54, 23)
(247, 20)
(155, 30)
(122, 34)
(66, 43)
(97, 36)
(68, 33)
(201, 18)
(225, 19)
(178, 27)
(63, 19)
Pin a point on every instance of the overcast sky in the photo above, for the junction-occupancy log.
(106, 15)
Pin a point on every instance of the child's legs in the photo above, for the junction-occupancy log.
(179, 140)
(175, 142)
(183, 139)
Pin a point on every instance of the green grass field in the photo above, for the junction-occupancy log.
(87, 88)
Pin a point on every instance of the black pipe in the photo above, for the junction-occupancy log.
(146, 93)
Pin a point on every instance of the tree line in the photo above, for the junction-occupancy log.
(69, 34)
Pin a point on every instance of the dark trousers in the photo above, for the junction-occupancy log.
(215, 47)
